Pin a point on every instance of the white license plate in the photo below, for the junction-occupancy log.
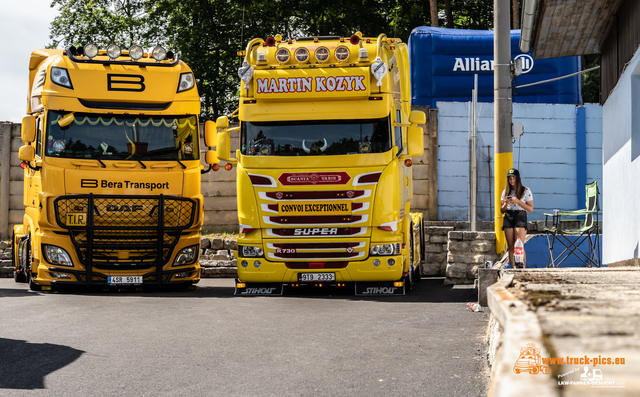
(306, 277)
(124, 280)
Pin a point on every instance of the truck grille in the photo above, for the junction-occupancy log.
(124, 232)
(317, 251)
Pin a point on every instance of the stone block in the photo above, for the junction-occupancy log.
(472, 272)
(437, 239)
(5, 255)
(456, 270)
(3, 245)
(482, 247)
(437, 258)
(457, 246)
(479, 236)
(216, 243)
(209, 252)
(205, 243)
(432, 247)
(230, 244)
(486, 278)
(430, 268)
(219, 257)
(442, 230)
(455, 235)
(466, 258)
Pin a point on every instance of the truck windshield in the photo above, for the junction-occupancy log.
(315, 138)
(123, 137)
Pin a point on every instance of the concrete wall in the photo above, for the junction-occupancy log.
(545, 156)
(621, 171)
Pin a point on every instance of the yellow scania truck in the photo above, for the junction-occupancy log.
(111, 162)
(324, 178)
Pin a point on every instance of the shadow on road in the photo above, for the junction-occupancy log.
(24, 365)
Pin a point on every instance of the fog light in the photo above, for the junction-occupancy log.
(61, 275)
(183, 275)
(159, 53)
(244, 263)
(391, 262)
(376, 262)
(136, 52)
(398, 284)
(113, 51)
(257, 264)
(241, 285)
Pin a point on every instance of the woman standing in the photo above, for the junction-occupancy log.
(516, 199)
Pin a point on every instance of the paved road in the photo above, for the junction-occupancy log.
(206, 342)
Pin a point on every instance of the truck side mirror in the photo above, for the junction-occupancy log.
(210, 133)
(66, 120)
(210, 157)
(417, 117)
(415, 140)
(222, 123)
(27, 153)
(28, 133)
(223, 147)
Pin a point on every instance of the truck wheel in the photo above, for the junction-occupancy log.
(26, 265)
(417, 277)
(15, 261)
(536, 370)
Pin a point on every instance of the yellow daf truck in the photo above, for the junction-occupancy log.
(324, 179)
(111, 162)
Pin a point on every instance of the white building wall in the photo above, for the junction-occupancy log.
(621, 170)
(545, 156)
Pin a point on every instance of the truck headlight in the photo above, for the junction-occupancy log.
(57, 256)
(186, 256)
(60, 76)
(250, 252)
(385, 249)
(186, 81)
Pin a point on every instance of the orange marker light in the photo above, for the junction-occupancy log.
(408, 162)
(215, 167)
(228, 166)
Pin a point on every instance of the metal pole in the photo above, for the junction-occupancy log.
(502, 109)
(474, 144)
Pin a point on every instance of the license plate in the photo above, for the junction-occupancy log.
(113, 280)
(321, 208)
(310, 277)
(76, 219)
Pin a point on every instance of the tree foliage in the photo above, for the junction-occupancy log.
(209, 33)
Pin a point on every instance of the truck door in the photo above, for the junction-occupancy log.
(32, 180)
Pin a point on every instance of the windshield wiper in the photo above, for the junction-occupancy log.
(99, 161)
(144, 167)
(179, 162)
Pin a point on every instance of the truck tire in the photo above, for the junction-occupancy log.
(26, 264)
(15, 261)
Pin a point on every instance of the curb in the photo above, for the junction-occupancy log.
(520, 326)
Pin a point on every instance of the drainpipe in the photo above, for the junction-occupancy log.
(528, 18)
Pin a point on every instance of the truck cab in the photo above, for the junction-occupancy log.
(112, 167)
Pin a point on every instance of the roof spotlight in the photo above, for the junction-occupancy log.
(91, 50)
(113, 51)
(159, 53)
(136, 52)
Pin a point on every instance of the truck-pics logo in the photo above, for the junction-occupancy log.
(309, 84)
(316, 178)
(94, 183)
(529, 361)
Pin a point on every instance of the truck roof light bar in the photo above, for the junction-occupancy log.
(73, 55)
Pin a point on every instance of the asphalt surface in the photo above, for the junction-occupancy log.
(207, 342)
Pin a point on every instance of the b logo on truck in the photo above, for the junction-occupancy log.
(125, 82)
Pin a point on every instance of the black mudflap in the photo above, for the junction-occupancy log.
(260, 289)
(378, 289)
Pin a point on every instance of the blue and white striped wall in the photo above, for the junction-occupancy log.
(560, 151)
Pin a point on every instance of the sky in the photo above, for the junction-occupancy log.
(24, 28)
